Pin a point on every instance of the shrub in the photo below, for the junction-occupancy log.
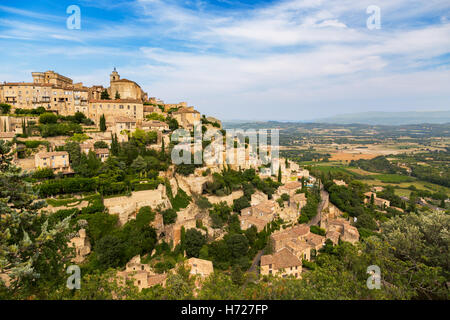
(169, 216)
(100, 145)
(47, 118)
(145, 216)
(318, 230)
(45, 173)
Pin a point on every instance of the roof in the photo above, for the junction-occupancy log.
(156, 279)
(257, 222)
(7, 134)
(292, 185)
(205, 267)
(26, 84)
(123, 119)
(116, 101)
(314, 239)
(185, 110)
(266, 206)
(52, 154)
(295, 232)
(102, 151)
(296, 245)
(154, 123)
(126, 80)
(281, 259)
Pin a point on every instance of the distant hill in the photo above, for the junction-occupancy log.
(389, 118)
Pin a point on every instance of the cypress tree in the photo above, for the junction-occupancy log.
(103, 123)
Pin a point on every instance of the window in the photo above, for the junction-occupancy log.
(270, 266)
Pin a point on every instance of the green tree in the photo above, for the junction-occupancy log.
(5, 108)
(100, 145)
(30, 246)
(47, 118)
(102, 123)
(105, 95)
(117, 96)
(115, 147)
(194, 242)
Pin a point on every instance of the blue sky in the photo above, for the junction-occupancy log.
(259, 60)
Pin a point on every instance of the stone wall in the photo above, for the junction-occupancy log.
(228, 199)
(127, 207)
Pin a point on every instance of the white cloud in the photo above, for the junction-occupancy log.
(296, 59)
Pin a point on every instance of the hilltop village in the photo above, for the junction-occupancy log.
(89, 173)
(69, 137)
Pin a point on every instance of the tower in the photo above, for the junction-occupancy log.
(114, 75)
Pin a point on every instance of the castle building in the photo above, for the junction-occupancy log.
(59, 94)
(125, 89)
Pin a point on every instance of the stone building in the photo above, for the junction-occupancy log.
(141, 274)
(341, 228)
(102, 154)
(115, 108)
(282, 263)
(125, 88)
(49, 90)
(58, 93)
(187, 117)
(299, 240)
(200, 267)
(57, 161)
(154, 125)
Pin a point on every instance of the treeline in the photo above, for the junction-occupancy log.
(379, 164)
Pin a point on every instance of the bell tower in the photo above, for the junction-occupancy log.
(114, 75)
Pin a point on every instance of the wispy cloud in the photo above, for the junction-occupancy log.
(305, 57)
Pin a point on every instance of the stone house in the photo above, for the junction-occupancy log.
(249, 221)
(154, 125)
(115, 108)
(186, 117)
(340, 182)
(377, 201)
(258, 197)
(298, 239)
(200, 267)
(121, 125)
(102, 154)
(141, 274)
(282, 263)
(57, 161)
